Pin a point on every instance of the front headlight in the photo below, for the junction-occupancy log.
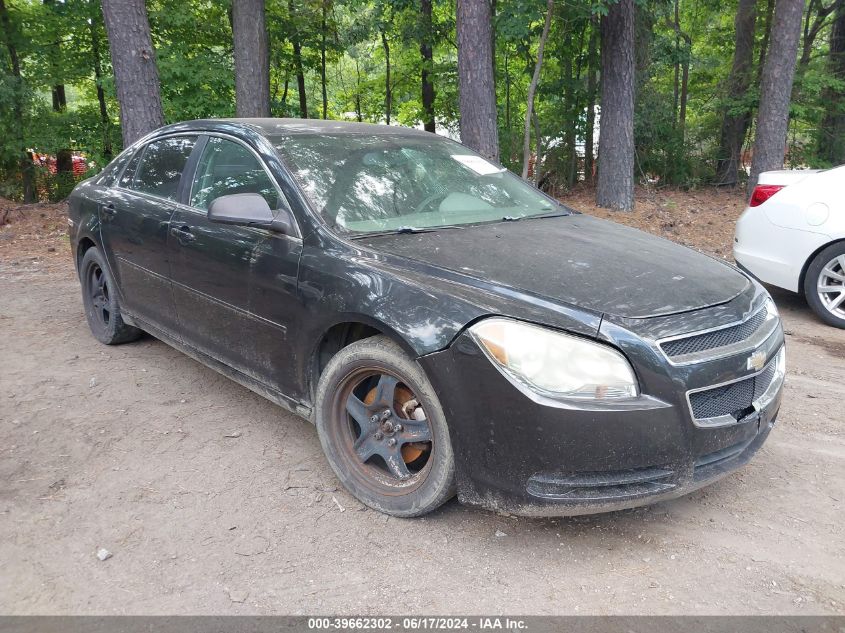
(771, 308)
(553, 363)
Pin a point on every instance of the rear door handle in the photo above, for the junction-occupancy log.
(183, 234)
(108, 210)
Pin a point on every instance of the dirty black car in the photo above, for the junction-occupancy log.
(447, 327)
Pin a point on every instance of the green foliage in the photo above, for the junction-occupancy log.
(193, 42)
(60, 42)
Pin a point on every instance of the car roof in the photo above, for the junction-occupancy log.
(276, 128)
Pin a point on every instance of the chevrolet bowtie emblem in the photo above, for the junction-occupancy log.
(756, 361)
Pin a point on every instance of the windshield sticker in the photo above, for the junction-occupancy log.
(477, 164)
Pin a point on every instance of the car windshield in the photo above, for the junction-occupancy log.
(365, 183)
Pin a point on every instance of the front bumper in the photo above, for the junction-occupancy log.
(537, 457)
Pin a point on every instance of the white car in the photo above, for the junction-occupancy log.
(792, 235)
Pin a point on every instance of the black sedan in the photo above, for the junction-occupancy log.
(447, 327)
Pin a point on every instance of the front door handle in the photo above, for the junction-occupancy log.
(183, 234)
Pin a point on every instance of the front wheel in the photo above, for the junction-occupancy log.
(824, 285)
(99, 297)
(383, 430)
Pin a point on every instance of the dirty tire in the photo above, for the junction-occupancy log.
(813, 277)
(99, 297)
(363, 454)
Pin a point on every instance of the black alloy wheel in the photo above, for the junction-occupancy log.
(102, 308)
(383, 430)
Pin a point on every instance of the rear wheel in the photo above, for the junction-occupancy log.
(824, 285)
(383, 430)
(102, 308)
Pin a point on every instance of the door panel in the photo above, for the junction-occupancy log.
(134, 225)
(234, 287)
(135, 235)
(215, 268)
(273, 299)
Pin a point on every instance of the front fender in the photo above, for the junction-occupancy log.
(425, 307)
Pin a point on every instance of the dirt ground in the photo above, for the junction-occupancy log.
(213, 500)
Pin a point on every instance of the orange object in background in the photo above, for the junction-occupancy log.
(80, 165)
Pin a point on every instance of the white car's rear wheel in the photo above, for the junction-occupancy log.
(824, 285)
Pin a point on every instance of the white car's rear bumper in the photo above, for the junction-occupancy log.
(774, 254)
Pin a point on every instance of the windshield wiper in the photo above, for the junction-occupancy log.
(517, 218)
(406, 230)
(550, 214)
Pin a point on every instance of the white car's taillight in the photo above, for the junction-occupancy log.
(762, 193)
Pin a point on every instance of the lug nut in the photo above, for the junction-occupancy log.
(386, 414)
(374, 419)
(391, 442)
(378, 435)
(398, 428)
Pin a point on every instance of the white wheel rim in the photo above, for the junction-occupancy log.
(831, 286)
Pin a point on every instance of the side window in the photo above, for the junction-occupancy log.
(227, 167)
(129, 172)
(161, 166)
(111, 171)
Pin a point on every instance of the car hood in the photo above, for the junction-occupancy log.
(577, 260)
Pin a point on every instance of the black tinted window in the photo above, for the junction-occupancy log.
(110, 172)
(161, 166)
(227, 167)
(129, 172)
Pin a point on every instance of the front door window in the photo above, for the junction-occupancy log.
(227, 168)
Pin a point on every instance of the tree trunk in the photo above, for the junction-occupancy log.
(538, 161)
(25, 158)
(476, 84)
(684, 96)
(59, 98)
(832, 129)
(297, 64)
(572, 101)
(776, 90)
(615, 187)
(64, 161)
(300, 79)
(135, 71)
(359, 116)
(532, 89)
(676, 84)
(325, 7)
(64, 180)
(252, 59)
(737, 115)
(427, 54)
(388, 93)
(767, 31)
(54, 55)
(105, 122)
(682, 113)
(589, 134)
(507, 94)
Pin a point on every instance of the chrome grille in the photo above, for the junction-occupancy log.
(715, 339)
(733, 399)
(727, 400)
(762, 382)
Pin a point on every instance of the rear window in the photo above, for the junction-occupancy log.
(161, 166)
(129, 172)
(110, 172)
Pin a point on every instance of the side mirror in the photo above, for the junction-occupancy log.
(249, 209)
